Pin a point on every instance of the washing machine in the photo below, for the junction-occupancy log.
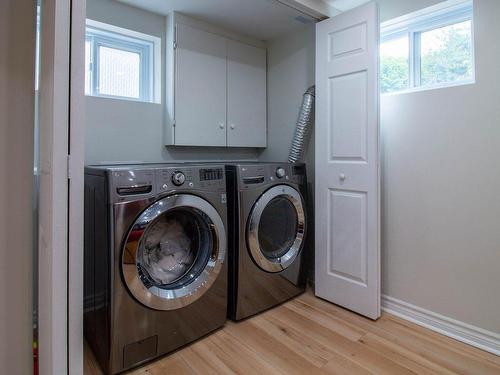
(267, 227)
(155, 259)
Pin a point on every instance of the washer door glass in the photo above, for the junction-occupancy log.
(174, 252)
(276, 228)
(175, 248)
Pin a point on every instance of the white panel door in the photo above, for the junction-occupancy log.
(246, 95)
(347, 161)
(200, 88)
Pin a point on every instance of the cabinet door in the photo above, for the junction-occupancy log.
(200, 88)
(246, 95)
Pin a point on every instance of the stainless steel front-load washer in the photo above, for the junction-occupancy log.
(267, 228)
(155, 259)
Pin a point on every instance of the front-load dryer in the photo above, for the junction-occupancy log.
(155, 251)
(267, 228)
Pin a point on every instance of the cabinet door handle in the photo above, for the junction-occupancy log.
(221, 125)
(232, 126)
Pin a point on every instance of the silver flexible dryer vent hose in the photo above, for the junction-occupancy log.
(303, 127)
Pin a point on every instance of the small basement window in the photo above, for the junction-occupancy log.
(428, 49)
(121, 63)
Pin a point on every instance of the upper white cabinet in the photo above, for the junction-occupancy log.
(246, 95)
(216, 87)
(200, 88)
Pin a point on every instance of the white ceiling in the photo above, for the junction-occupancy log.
(260, 19)
(344, 5)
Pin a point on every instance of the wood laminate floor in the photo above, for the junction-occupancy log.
(310, 336)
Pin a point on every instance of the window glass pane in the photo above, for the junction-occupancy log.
(119, 72)
(394, 66)
(88, 75)
(446, 54)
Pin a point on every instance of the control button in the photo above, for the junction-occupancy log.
(280, 172)
(178, 178)
(191, 184)
(164, 186)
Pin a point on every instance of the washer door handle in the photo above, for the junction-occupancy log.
(215, 242)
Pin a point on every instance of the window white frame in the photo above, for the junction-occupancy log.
(148, 47)
(414, 24)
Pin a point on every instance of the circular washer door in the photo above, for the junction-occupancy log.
(174, 252)
(276, 228)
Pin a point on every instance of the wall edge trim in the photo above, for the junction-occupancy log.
(461, 331)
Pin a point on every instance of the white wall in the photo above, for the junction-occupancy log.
(128, 131)
(394, 8)
(17, 36)
(441, 180)
(291, 68)
(388, 8)
(291, 64)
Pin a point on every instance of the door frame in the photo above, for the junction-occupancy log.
(62, 126)
(53, 208)
(76, 162)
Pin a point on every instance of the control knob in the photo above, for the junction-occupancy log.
(280, 172)
(178, 178)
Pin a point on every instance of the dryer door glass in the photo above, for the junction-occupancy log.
(174, 252)
(276, 228)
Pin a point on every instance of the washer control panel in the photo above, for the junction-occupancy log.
(191, 177)
(128, 183)
(280, 172)
(178, 178)
(133, 182)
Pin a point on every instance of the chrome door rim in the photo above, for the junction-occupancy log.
(283, 262)
(171, 299)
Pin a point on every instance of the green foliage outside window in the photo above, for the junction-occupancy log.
(448, 59)
(450, 63)
(393, 74)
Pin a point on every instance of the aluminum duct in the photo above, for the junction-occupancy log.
(303, 127)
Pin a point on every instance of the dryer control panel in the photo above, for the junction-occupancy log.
(257, 175)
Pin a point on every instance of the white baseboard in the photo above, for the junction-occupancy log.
(469, 334)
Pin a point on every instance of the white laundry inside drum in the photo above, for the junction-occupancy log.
(168, 252)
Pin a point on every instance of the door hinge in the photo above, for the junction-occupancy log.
(175, 37)
(69, 167)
